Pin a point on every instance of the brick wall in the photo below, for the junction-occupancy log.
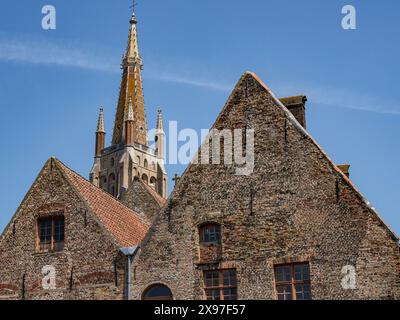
(139, 199)
(295, 207)
(89, 267)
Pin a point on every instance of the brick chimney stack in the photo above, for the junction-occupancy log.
(345, 168)
(297, 106)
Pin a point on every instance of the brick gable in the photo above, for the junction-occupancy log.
(296, 206)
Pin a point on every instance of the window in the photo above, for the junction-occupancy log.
(210, 233)
(220, 285)
(153, 181)
(157, 292)
(51, 234)
(293, 282)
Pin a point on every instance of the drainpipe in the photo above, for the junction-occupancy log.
(130, 253)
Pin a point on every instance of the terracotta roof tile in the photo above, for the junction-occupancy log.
(125, 225)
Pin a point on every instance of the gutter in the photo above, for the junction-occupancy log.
(130, 253)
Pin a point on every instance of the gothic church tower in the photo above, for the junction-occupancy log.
(129, 155)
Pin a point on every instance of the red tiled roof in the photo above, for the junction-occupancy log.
(126, 226)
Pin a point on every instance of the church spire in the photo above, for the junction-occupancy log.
(131, 88)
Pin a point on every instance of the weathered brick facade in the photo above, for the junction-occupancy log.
(90, 265)
(296, 206)
(142, 198)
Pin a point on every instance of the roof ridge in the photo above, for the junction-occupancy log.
(301, 129)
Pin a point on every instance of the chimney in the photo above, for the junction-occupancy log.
(297, 106)
(345, 168)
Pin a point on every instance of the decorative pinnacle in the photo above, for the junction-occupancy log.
(159, 120)
(129, 116)
(100, 122)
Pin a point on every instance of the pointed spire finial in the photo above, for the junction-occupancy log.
(133, 7)
(100, 122)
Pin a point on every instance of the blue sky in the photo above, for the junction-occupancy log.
(53, 82)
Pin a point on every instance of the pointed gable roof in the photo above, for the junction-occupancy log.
(250, 76)
(143, 198)
(334, 166)
(153, 193)
(126, 226)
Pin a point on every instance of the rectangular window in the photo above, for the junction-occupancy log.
(51, 234)
(292, 282)
(210, 234)
(220, 284)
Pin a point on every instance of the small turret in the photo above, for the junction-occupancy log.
(160, 136)
(100, 134)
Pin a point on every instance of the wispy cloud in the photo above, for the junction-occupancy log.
(36, 50)
(341, 98)
(203, 83)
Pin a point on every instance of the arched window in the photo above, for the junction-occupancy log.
(145, 178)
(157, 292)
(210, 233)
(138, 160)
(153, 182)
(146, 163)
